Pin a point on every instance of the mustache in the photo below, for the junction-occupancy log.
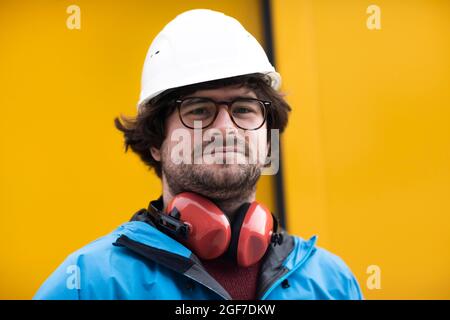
(239, 145)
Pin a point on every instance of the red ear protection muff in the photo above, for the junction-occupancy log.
(205, 229)
(209, 230)
(251, 233)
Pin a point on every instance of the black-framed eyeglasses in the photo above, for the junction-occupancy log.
(246, 113)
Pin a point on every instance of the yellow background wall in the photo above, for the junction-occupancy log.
(367, 150)
(366, 153)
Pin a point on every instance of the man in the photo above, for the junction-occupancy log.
(208, 107)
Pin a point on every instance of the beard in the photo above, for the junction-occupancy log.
(218, 182)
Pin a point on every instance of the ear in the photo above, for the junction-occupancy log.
(156, 153)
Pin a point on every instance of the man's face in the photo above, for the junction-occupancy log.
(222, 161)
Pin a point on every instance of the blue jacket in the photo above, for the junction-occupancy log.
(137, 261)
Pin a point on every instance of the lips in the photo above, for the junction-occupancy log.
(225, 150)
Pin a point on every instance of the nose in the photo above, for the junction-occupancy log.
(223, 119)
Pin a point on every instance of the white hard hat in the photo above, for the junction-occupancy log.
(202, 45)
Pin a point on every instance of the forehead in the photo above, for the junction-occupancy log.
(226, 92)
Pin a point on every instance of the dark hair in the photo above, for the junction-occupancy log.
(147, 129)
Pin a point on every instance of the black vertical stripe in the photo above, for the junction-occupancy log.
(268, 39)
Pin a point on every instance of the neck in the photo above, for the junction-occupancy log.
(228, 206)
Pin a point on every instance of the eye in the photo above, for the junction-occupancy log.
(198, 111)
(197, 108)
(246, 108)
(243, 110)
(204, 110)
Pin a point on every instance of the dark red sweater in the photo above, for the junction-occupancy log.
(239, 282)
